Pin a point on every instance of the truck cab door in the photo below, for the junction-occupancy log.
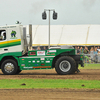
(3, 41)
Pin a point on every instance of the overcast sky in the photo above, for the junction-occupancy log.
(70, 12)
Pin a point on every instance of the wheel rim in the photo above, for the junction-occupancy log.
(65, 66)
(9, 67)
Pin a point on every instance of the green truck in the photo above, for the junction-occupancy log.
(15, 54)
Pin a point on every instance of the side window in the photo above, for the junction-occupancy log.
(2, 35)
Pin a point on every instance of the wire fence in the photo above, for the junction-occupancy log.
(91, 58)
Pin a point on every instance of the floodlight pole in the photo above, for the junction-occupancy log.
(49, 31)
(49, 26)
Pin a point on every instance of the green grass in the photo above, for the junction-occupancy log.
(49, 83)
(90, 66)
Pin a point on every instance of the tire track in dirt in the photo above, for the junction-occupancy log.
(85, 74)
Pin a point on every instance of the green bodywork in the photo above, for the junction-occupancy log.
(10, 44)
(15, 55)
(42, 59)
(38, 59)
(40, 62)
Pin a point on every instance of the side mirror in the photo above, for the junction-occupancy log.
(44, 16)
(54, 15)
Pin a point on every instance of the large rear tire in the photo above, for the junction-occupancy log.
(65, 65)
(9, 67)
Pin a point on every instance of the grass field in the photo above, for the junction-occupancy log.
(49, 83)
(90, 66)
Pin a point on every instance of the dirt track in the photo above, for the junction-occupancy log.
(87, 74)
(51, 94)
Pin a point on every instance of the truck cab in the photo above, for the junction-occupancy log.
(13, 41)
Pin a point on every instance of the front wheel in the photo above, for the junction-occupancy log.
(9, 67)
(65, 65)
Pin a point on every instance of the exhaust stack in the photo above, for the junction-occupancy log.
(30, 33)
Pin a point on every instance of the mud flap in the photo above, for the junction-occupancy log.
(82, 64)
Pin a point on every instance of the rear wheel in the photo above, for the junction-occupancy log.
(9, 67)
(65, 65)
